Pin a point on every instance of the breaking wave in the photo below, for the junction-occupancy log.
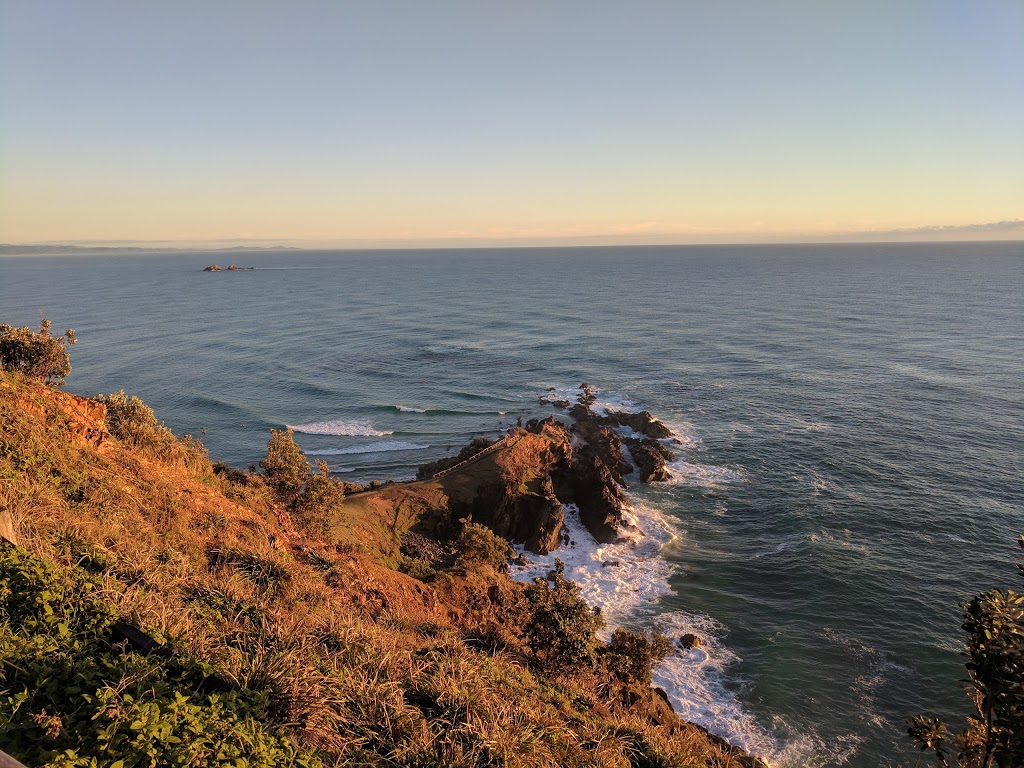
(387, 445)
(339, 428)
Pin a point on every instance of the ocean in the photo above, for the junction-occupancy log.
(850, 425)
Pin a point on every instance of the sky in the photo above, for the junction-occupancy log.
(484, 121)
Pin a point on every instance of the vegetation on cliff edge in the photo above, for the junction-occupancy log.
(296, 647)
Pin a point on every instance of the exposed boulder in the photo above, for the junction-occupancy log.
(598, 496)
(689, 641)
(651, 458)
(642, 422)
(213, 268)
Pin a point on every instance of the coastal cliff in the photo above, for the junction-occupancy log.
(203, 616)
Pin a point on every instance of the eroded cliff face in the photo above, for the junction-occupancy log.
(84, 419)
(549, 464)
(518, 501)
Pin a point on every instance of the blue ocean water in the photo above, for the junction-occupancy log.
(851, 420)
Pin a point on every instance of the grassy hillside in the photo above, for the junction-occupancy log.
(281, 635)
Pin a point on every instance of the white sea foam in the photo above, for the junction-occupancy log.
(340, 428)
(626, 579)
(605, 400)
(387, 445)
(634, 577)
(695, 682)
(701, 475)
(410, 409)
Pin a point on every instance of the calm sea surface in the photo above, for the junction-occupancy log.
(851, 418)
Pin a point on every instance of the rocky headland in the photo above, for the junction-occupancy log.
(320, 623)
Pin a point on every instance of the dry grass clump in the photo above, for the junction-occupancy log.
(356, 661)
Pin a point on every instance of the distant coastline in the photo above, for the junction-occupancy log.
(8, 249)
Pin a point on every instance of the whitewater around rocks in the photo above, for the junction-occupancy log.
(627, 579)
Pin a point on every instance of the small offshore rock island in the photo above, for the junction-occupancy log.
(201, 614)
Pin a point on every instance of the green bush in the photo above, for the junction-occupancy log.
(72, 698)
(417, 567)
(36, 353)
(561, 629)
(132, 421)
(994, 735)
(632, 656)
(317, 499)
(285, 465)
(478, 546)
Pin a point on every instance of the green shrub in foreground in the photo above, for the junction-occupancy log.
(69, 698)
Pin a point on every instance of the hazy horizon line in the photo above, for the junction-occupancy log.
(1006, 230)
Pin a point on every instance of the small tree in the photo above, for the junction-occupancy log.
(561, 629)
(36, 353)
(478, 547)
(286, 466)
(320, 495)
(632, 656)
(994, 736)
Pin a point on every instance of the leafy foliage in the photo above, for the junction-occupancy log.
(561, 629)
(478, 546)
(36, 353)
(70, 698)
(310, 495)
(994, 736)
(286, 467)
(318, 496)
(131, 420)
(632, 656)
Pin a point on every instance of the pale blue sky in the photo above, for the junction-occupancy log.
(378, 120)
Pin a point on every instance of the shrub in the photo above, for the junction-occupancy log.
(286, 467)
(417, 567)
(132, 421)
(72, 697)
(561, 629)
(318, 497)
(478, 547)
(36, 353)
(632, 656)
(994, 736)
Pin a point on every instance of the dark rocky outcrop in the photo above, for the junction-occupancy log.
(689, 641)
(547, 464)
(651, 458)
(598, 496)
(228, 268)
(642, 422)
